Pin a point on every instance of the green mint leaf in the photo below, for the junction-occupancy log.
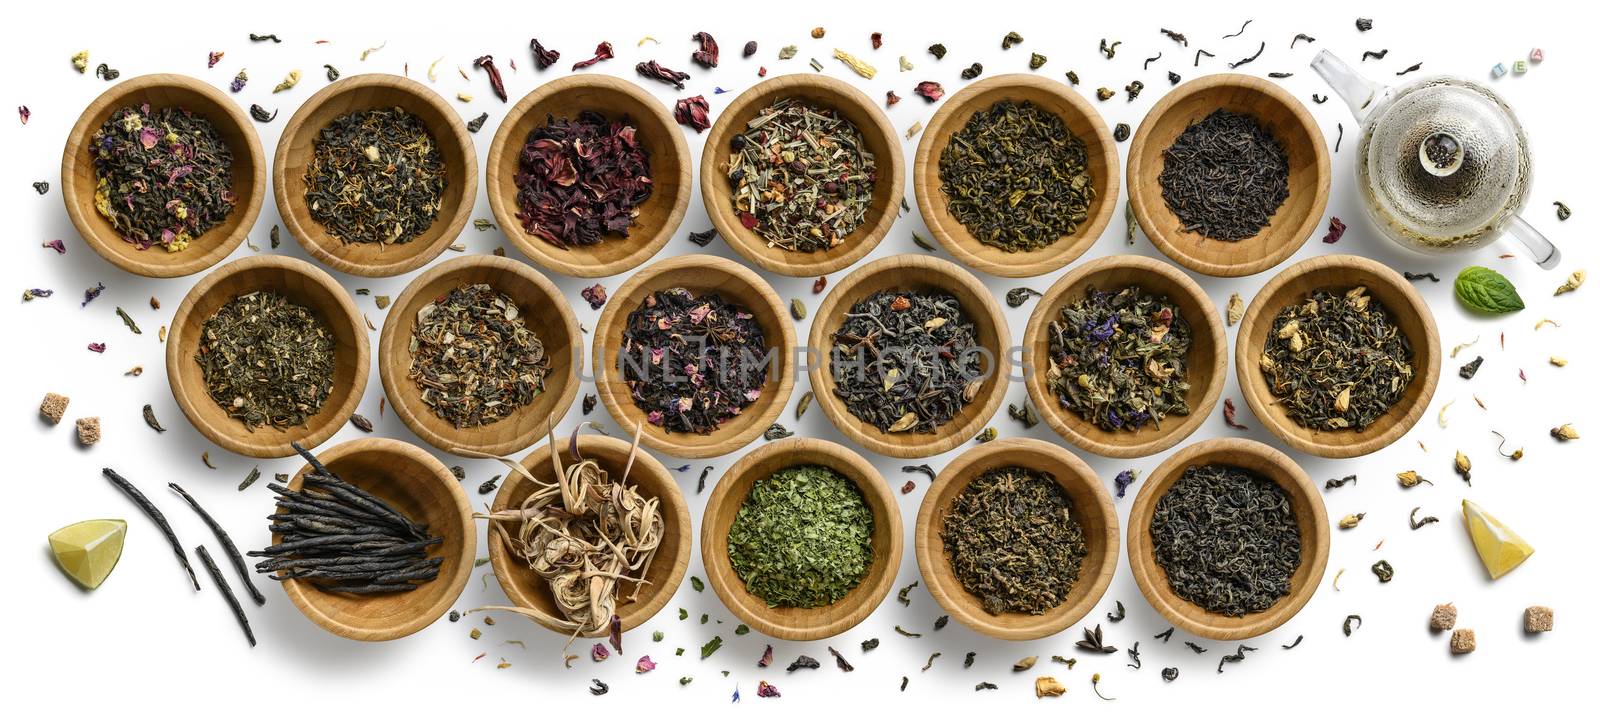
(1487, 291)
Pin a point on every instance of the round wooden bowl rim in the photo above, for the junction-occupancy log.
(1152, 579)
(626, 299)
(675, 512)
(327, 422)
(956, 238)
(1144, 208)
(503, 192)
(714, 190)
(1352, 270)
(818, 622)
(313, 238)
(947, 436)
(394, 343)
(191, 262)
(307, 601)
(1144, 442)
(934, 563)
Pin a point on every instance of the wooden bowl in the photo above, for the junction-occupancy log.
(1080, 118)
(1308, 511)
(922, 273)
(879, 136)
(700, 274)
(1405, 305)
(793, 623)
(543, 309)
(1310, 173)
(1207, 358)
(249, 175)
(302, 283)
(659, 216)
(528, 591)
(1093, 510)
(421, 487)
(375, 91)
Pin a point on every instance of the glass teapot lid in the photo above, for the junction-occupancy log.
(1446, 161)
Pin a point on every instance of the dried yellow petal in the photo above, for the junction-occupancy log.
(1565, 433)
(1574, 281)
(80, 62)
(1235, 309)
(1351, 520)
(289, 81)
(1024, 664)
(1048, 687)
(1341, 403)
(1558, 361)
(857, 64)
(906, 421)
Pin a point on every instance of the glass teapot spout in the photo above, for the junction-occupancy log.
(1358, 92)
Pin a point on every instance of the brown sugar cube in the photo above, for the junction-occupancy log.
(53, 407)
(1443, 618)
(1463, 641)
(1538, 619)
(88, 430)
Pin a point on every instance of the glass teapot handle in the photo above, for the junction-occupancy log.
(1545, 254)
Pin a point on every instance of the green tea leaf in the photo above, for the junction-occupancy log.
(1485, 290)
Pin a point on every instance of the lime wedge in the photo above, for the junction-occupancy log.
(1500, 549)
(89, 550)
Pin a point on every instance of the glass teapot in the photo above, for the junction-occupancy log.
(1443, 163)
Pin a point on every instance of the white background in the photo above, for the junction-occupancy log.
(146, 639)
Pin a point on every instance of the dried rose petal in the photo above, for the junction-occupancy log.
(643, 665)
(930, 90)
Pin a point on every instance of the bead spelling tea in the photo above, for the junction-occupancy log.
(802, 176)
(375, 176)
(1013, 541)
(162, 177)
(579, 180)
(1016, 177)
(1120, 360)
(1225, 176)
(907, 361)
(802, 538)
(474, 358)
(1226, 538)
(1337, 360)
(339, 538)
(266, 361)
(692, 362)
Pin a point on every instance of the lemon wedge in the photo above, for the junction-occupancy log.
(1500, 549)
(89, 550)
